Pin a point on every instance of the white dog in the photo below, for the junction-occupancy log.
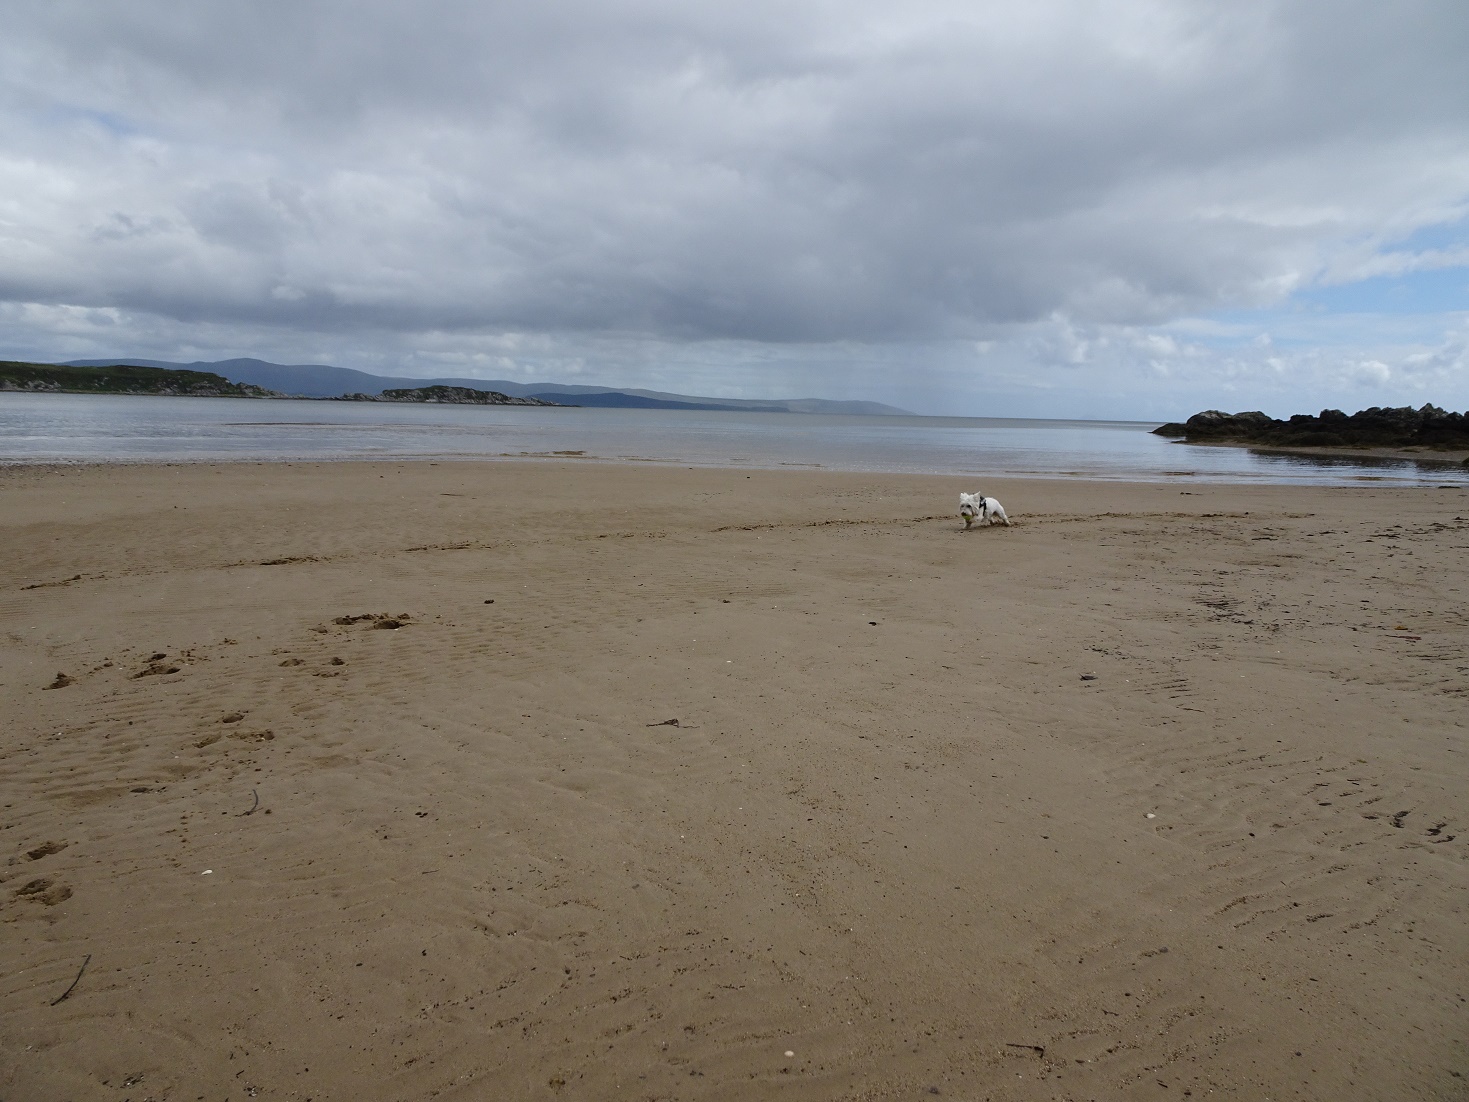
(986, 510)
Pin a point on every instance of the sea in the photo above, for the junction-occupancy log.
(81, 428)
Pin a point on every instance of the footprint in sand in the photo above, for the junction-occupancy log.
(375, 620)
(254, 736)
(155, 669)
(45, 890)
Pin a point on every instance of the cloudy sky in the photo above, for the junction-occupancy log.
(1115, 208)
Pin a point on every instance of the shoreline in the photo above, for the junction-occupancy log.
(566, 779)
(1170, 477)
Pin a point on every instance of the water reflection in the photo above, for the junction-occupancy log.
(1366, 466)
(110, 428)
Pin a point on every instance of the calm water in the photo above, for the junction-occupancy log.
(36, 428)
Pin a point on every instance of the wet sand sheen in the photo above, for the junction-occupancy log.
(361, 780)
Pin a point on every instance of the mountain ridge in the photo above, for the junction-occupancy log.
(326, 381)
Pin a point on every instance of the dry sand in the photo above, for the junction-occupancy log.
(1154, 795)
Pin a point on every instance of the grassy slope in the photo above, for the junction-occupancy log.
(58, 378)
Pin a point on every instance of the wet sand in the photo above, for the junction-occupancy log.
(574, 781)
(1448, 461)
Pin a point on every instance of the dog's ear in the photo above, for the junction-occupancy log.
(966, 499)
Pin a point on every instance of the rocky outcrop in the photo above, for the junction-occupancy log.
(1402, 427)
(447, 395)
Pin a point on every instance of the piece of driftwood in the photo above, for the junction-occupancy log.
(74, 982)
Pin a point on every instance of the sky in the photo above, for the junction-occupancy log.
(1074, 208)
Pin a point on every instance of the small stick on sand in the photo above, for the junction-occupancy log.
(74, 982)
(254, 805)
(1039, 1049)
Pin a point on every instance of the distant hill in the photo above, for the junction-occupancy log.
(135, 379)
(625, 399)
(323, 381)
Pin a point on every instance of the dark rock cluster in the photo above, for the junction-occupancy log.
(1403, 427)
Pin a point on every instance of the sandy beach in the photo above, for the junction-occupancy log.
(548, 780)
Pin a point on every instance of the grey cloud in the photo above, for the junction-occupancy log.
(769, 173)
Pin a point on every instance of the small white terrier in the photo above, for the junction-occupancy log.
(986, 510)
